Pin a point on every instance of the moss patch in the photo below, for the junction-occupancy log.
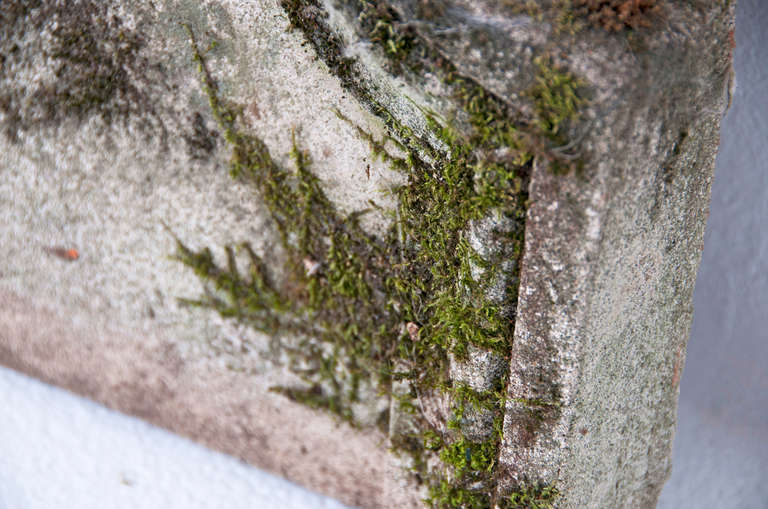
(532, 497)
(352, 310)
(557, 95)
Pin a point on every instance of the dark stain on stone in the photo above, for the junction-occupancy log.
(665, 176)
(202, 141)
(85, 61)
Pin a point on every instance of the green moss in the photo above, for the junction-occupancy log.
(555, 97)
(448, 494)
(379, 19)
(349, 308)
(531, 497)
(525, 497)
(566, 20)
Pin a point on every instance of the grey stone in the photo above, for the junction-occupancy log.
(109, 147)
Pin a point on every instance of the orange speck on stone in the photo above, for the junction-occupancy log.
(65, 254)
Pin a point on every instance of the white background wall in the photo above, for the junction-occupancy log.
(61, 451)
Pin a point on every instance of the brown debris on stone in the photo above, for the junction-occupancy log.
(618, 14)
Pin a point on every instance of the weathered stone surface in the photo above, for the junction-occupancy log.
(106, 181)
(605, 297)
(110, 148)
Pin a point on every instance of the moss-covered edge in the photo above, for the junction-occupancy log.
(557, 94)
(360, 309)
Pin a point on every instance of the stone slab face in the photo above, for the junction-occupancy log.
(110, 148)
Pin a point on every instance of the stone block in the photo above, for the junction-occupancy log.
(396, 252)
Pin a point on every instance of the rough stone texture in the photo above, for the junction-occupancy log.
(607, 281)
(108, 325)
(723, 397)
(230, 411)
(610, 256)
